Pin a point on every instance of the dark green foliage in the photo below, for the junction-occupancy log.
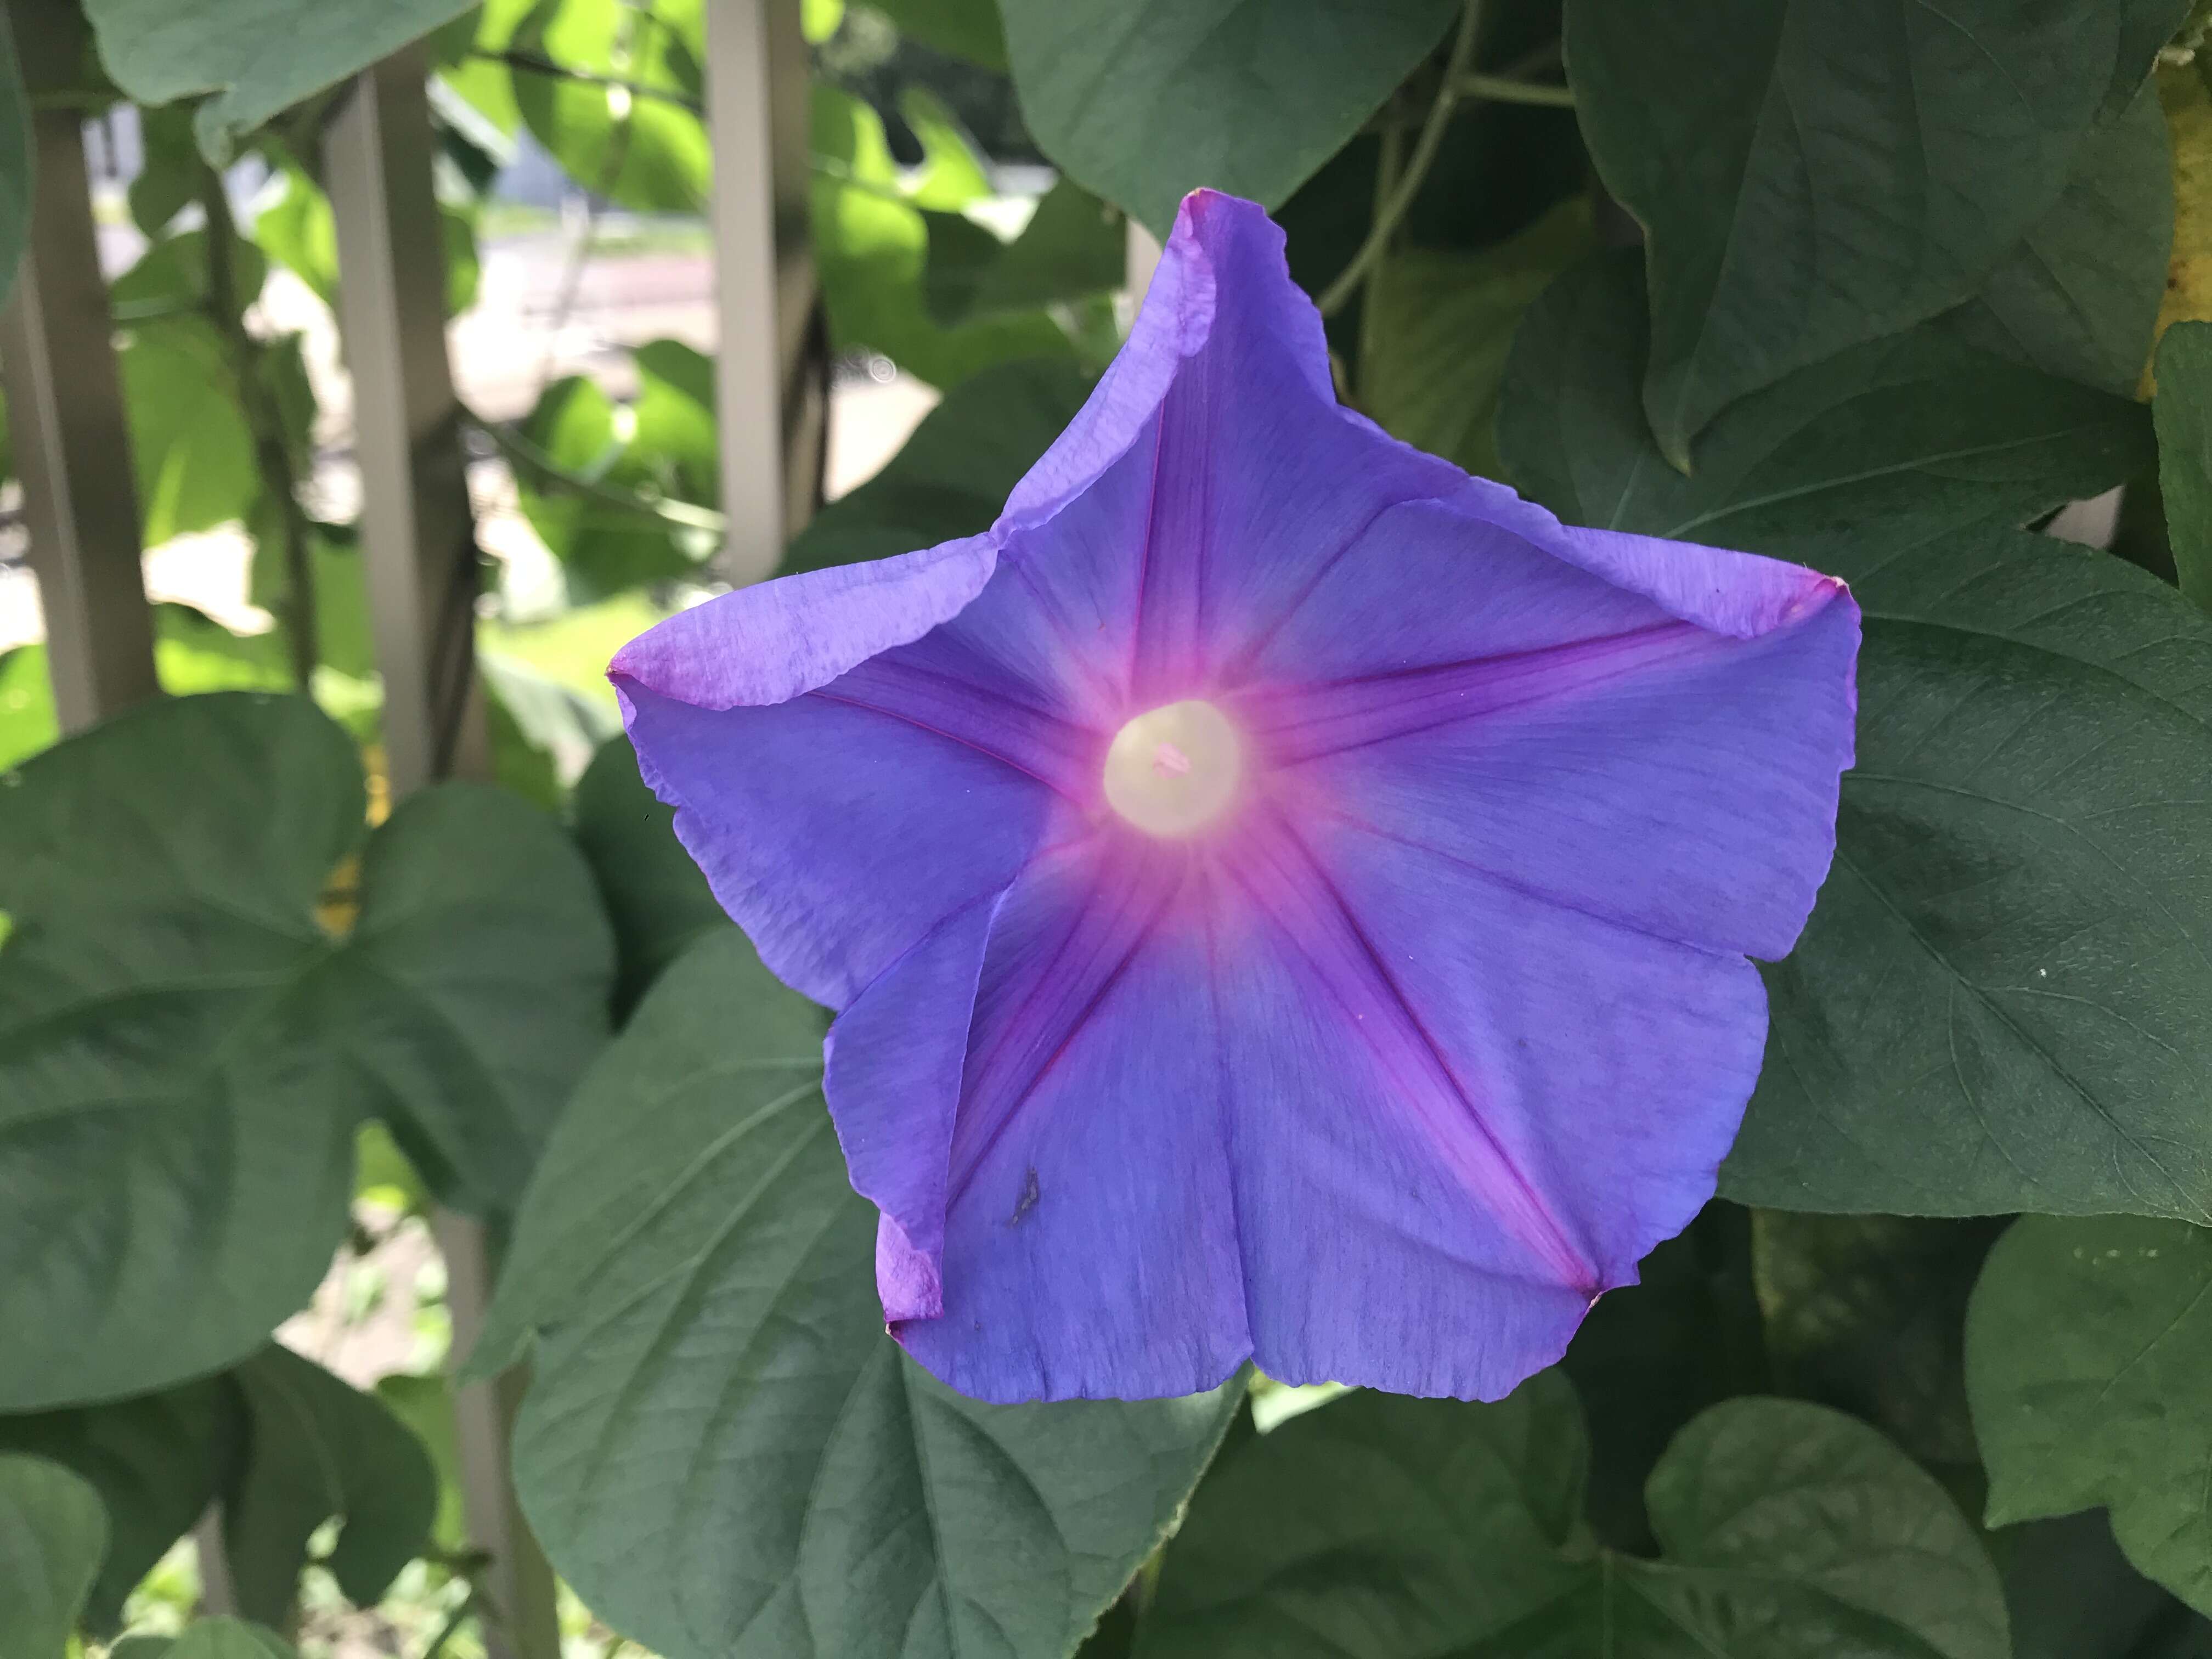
(311, 1448)
(2084, 1348)
(52, 1531)
(1867, 1313)
(1706, 121)
(2183, 409)
(654, 894)
(184, 1021)
(155, 1462)
(16, 162)
(1654, 1354)
(1072, 249)
(2080, 293)
(1377, 1528)
(157, 50)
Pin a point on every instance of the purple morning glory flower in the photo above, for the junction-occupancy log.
(1284, 898)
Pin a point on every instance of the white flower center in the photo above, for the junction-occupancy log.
(1176, 770)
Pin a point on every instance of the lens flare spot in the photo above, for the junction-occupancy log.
(1176, 770)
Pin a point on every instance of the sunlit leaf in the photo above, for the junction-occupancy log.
(159, 50)
(952, 176)
(644, 148)
(605, 543)
(674, 443)
(297, 231)
(189, 440)
(872, 245)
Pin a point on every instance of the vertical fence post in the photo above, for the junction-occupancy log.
(1140, 257)
(771, 365)
(72, 445)
(418, 542)
(418, 534)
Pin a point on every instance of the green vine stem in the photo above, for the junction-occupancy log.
(1389, 212)
(528, 460)
(272, 457)
(531, 64)
(1504, 89)
(1389, 167)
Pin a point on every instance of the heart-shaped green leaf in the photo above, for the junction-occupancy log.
(1143, 103)
(697, 1275)
(186, 1044)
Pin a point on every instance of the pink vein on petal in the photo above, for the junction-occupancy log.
(1495, 1181)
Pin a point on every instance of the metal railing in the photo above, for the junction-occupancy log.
(418, 535)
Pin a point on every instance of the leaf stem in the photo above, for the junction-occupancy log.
(531, 64)
(529, 459)
(1389, 213)
(272, 457)
(453, 1625)
(1503, 89)
(1390, 168)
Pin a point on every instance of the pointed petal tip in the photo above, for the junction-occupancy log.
(770, 642)
(1222, 269)
(907, 1280)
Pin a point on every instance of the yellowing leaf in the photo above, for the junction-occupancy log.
(2182, 90)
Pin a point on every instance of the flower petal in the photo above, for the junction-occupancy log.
(1606, 1069)
(1289, 1104)
(1544, 725)
(839, 826)
(1229, 493)
(1090, 1245)
(768, 643)
(1174, 321)
(892, 1076)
